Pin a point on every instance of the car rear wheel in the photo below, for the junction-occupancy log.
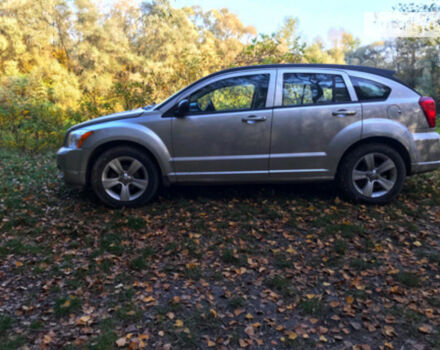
(372, 173)
(124, 177)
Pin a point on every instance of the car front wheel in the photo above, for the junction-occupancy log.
(372, 173)
(124, 177)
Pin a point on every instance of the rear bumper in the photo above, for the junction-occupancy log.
(423, 167)
(428, 152)
(71, 162)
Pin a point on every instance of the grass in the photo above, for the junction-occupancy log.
(107, 338)
(67, 305)
(138, 264)
(281, 284)
(5, 324)
(408, 279)
(236, 302)
(313, 307)
(253, 255)
(129, 313)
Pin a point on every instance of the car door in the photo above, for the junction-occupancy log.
(225, 136)
(312, 107)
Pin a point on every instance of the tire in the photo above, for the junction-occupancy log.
(372, 173)
(125, 176)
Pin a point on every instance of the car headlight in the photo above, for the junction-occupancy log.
(76, 138)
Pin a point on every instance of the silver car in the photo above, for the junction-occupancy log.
(275, 123)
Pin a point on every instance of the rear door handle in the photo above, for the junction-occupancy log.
(252, 119)
(343, 113)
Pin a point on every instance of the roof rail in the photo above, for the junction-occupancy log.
(367, 69)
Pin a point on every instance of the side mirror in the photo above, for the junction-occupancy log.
(182, 108)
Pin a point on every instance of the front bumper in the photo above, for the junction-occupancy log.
(73, 165)
(428, 152)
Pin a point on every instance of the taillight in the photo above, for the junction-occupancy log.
(428, 107)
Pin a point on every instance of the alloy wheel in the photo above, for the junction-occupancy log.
(125, 178)
(374, 175)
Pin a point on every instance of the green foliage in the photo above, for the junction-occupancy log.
(90, 62)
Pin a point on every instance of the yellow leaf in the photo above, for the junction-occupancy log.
(148, 299)
(213, 312)
(417, 243)
(349, 299)
(66, 303)
(211, 344)
(83, 320)
(249, 316)
(322, 338)
(179, 323)
(18, 264)
(292, 335)
(291, 250)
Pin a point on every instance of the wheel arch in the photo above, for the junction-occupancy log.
(115, 143)
(395, 144)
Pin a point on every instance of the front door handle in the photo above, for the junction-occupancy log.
(343, 113)
(252, 119)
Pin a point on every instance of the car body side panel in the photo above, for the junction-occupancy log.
(402, 104)
(221, 146)
(306, 139)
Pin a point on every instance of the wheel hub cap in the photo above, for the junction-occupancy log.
(125, 178)
(374, 175)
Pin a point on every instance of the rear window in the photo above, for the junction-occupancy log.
(368, 90)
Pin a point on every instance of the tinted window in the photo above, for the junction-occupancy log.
(369, 90)
(239, 93)
(307, 88)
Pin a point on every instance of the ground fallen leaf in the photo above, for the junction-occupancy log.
(349, 299)
(249, 330)
(426, 329)
(389, 331)
(243, 343)
(121, 342)
(292, 335)
(238, 312)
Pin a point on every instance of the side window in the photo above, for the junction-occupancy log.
(308, 88)
(369, 90)
(232, 94)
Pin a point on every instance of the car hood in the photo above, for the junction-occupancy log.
(108, 118)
